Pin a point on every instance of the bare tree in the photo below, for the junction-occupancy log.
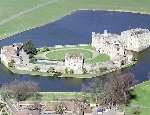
(20, 90)
(60, 108)
(110, 90)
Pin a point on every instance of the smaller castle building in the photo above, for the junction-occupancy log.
(74, 62)
(136, 39)
(14, 52)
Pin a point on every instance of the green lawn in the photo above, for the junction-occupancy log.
(99, 58)
(142, 100)
(54, 96)
(20, 15)
(87, 51)
(60, 54)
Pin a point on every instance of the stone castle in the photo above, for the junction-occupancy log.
(120, 48)
(119, 45)
(16, 53)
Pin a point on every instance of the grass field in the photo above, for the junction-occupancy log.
(54, 96)
(88, 53)
(99, 58)
(60, 54)
(142, 99)
(20, 15)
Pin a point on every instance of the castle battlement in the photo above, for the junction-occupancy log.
(132, 40)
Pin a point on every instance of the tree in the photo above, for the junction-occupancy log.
(33, 60)
(19, 90)
(60, 108)
(36, 68)
(110, 90)
(29, 48)
(84, 71)
(80, 106)
(66, 71)
(71, 71)
(51, 70)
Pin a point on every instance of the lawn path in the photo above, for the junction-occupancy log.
(26, 11)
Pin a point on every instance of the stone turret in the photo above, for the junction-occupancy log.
(136, 39)
(74, 61)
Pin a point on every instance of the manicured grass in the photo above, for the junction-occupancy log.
(88, 52)
(51, 12)
(99, 58)
(54, 96)
(60, 54)
(142, 99)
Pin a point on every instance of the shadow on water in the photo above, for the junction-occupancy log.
(76, 29)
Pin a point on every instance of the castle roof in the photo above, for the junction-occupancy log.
(136, 32)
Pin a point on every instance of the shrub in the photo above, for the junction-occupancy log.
(36, 68)
(51, 70)
(84, 71)
(33, 60)
(11, 64)
(71, 71)
(66, 71)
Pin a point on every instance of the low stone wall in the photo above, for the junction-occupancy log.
(69, 46)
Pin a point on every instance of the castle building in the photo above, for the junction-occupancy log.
(108, 44)
(14, 52)
(116, 45)
(136, 39)
(74, 62)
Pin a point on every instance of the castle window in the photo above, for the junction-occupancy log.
(118, 49)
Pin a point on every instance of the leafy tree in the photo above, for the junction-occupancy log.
(36, 68)
(84, 71)
(51, 70)
(56, 74)
(33, 60)
(29, 48)
(66, 71)
(71, 71)
(45, 49)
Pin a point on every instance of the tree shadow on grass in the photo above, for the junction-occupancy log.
(132, 95)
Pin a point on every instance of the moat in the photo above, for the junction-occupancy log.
(74, 29)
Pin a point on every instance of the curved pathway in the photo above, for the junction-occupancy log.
(26, 11)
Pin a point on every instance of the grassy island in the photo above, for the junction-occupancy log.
(17, 16)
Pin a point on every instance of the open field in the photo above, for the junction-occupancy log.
(19, 15)
(54, 96)
(141, 100)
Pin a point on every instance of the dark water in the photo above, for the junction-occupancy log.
(76, 29)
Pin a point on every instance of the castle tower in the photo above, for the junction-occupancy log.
(74, 61)
(136, 39)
